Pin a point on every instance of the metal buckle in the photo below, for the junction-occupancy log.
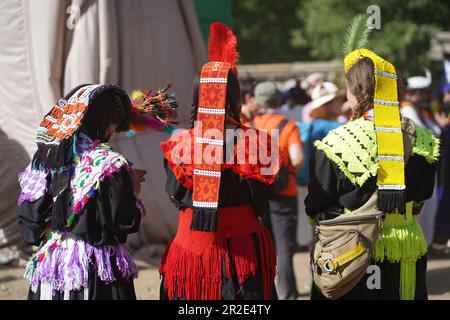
(330, 265)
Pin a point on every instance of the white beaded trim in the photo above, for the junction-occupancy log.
(213, 80)
(388, 129)
(55, 142)
(203, 204)
(211, 110)
(385, 74)
(391, 187)
(386, 103)
(208, 173)
(209, 141)
(84, 97)
(390, 158)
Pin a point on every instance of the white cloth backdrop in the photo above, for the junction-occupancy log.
(46, 48)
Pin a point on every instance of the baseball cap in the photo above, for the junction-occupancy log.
(266, 93)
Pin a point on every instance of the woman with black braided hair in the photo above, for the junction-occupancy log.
(79, 198)
(221, 250)
(79, 201)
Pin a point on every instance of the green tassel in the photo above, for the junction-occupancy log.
(402, 241)
(407, 280)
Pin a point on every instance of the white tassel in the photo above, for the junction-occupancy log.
(46, 291)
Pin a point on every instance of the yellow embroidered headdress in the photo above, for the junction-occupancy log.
(391, 164)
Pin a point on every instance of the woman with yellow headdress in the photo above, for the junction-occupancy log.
(382, 162)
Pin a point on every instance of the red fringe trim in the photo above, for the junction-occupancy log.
(192, 276)
(192, 263)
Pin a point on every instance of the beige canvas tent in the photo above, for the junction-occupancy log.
(47, 47)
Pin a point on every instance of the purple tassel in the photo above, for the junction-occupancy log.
(69, 274)
(75, 269)
(141, 207)
(125, 262)
(103, 262)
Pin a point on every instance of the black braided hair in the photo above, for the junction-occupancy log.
(107, 108)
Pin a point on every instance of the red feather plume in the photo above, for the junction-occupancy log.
(222, 44)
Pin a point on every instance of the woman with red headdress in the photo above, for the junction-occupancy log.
(221, 250)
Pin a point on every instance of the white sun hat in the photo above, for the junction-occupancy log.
(312, 79)
(323, 93)
(419, 82)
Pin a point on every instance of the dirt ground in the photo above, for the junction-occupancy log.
(13, 286)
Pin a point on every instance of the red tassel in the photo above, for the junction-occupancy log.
(268, 263)
(244, 255)
(196, 277)
(222, 44)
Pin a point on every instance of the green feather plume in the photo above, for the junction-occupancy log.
(357, 34)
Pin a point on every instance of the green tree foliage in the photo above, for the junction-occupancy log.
(264, 29)
(274, 31)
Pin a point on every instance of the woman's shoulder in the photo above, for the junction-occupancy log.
(99, 158)
(359, 132)
(352, 147)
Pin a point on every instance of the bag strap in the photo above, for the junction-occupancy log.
(280, 127)
(282, 124)
(331, 265)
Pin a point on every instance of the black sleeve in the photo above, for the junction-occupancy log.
(118, 200)
(330, 188)
(180, 196)
(259, 193)
(420, 178)
(322, 187)
(32, 217)
(112, 214)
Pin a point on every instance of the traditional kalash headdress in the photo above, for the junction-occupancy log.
(391, 163)
(53, 164)
(58, 131)
(222, 56)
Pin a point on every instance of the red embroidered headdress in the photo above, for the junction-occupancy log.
(222, 56)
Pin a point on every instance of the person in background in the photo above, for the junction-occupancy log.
(283, 200)
(312, 81)
(416, 106)
(441, 236)
(296, 99)
(249, 105)
(320, 90)
(326, 109)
